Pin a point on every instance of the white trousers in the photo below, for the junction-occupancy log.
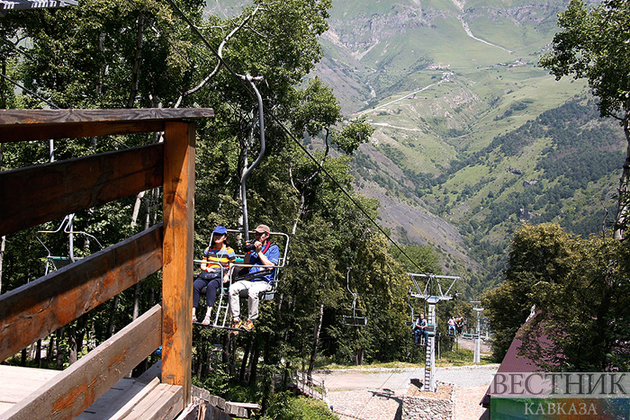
(253, 290)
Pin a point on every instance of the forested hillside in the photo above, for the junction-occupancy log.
(431, 118)
(472, 137)
(124, 54)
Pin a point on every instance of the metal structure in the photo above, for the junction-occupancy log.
(8, 5)
(432, 294)
(222, 305)
(353, 320)
(477, 356)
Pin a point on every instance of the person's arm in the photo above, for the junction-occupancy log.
(230, 265)
(204, 264)
(272, 256)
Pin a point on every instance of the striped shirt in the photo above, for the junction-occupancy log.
(215, 258)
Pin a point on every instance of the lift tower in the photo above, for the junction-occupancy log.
(432, 294)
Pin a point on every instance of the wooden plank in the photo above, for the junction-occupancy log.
(34, 310)
(118, 402)
(43, 124)
(54, 190)
(18, 382)
(179, 187)
(236, 410)
(69, 393)
(164, 402)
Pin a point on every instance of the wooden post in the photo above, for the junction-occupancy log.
(179, 185)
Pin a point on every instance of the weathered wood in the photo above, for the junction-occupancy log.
(237, 411)
(164, 402)
(179, 187)
(210, 405)
(71, 392)
(43, 124)
(33, 311)
(57, 189)
(19, 382)
(120, 400)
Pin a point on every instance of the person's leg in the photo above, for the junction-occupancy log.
(253, 297)
(211, 292)
(211, 297)
(198, 284)
(235, 291)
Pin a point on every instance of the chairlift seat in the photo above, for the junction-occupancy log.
(221, 312)
(355, 321)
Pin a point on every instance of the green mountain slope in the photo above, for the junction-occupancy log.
(452, 88)
(472, 137)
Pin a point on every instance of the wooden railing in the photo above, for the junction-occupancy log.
(34, 195)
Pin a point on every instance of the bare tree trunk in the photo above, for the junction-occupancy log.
(59, 361)
(112, 317)
(624, 191)
(316, 330)
(50, 350)
(253, 364)
(136, 63)
(3, 241)
(38, 356)
(248, 348)
(136, 208)
(72, 341)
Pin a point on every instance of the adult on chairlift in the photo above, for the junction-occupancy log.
(216, 269)
(420, 334)
(261, 253)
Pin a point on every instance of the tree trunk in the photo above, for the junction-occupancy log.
(253, 364)
(623, 193)
(72, 342)
(38, 356)
(316, 330)
(248, 348)
(3, 240)
(136, 63)
(50, 350)
(59, 361)
(111, 328)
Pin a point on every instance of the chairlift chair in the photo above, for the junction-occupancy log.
(222, 304)
(353, 320)
(55, 261)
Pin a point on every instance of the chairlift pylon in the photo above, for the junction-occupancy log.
(431, 294)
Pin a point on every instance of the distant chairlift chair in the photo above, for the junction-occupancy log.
(57, 262)
(353, 320)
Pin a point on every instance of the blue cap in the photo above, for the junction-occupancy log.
(221, 230)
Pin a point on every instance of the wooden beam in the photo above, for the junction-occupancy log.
(179, 187)
(44, 124)
(33, 311)
(54, 190)
(74, 390)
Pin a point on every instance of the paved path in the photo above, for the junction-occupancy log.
(377, 394)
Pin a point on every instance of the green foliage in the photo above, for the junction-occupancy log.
(537, 253)
(592, 45)
(576, 288)
(287, 407)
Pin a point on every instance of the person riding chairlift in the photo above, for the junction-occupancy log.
(263, 254)
(216, 270)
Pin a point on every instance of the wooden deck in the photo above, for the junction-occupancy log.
(144, 397)
(16, 383)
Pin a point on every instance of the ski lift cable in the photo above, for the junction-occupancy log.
(241, 78)
(24, 88)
